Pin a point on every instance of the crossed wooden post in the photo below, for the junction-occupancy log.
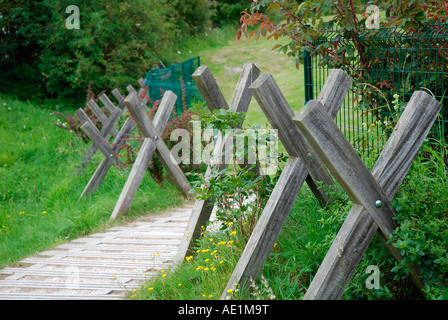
(99, 138)
(371, 192)
(108, 123)
(214, 98)
(303, 165)
(152, 143)
(107, 128)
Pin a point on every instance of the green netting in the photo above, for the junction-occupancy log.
(176, 78)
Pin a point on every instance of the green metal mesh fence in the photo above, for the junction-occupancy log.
(176, 78)
(397, 62)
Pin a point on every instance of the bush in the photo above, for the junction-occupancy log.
(116, 44)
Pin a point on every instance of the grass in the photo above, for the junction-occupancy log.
(39, 201)
(226, 57)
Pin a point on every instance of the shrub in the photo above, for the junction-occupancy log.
(117, 43)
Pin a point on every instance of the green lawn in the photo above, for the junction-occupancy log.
(227, 59)
(39, 199)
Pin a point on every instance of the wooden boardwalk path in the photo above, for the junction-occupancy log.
(99, 266)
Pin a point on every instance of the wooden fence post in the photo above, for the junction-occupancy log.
(108, 125)
(300, 167)
(94, 134)
(153, 142)
(362, 223)
(106, 163)
(214, 98)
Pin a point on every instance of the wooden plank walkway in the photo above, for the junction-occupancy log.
(99, 266)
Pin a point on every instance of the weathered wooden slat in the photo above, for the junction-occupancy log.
(106, 163)
(101, 116)
(240, 101)
(359, 227)
(345, 164)
(209, 89)
(279, 114)
(105, 130)
(93, 133)
(144, 157)
(83, 118)
(285, 192)
(118, 96)
(149, 130)
(107, 102)
(266, 231)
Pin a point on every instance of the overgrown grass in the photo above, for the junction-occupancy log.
(39, 200)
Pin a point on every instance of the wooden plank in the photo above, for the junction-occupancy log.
(279, 114)
(93, 133)
(334, 91)
(272, 220)
(105, 131)
(143, 158)
(209, 89)
(343, 161)
(285, 192)
(101, 116)
(150, 131)
(107, 102)
(240, 101)
(359, 227)
(118, 96)
(106, 163)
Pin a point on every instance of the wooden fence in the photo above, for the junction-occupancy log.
(315, 144)
(319, 154)
(136, 104)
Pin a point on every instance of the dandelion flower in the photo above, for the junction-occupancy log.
(232, 233)
(150, 288)
(229, 291)
(189, 258)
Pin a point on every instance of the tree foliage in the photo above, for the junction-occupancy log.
(303, 22)
(117, 43)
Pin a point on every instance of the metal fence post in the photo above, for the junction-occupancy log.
(307, 68)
